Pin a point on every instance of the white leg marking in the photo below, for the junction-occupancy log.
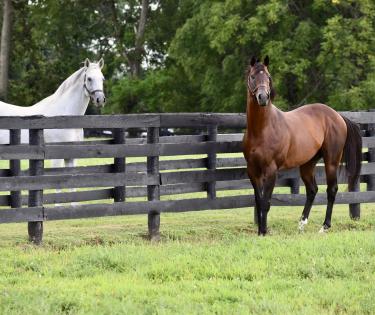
(301, 224)
(323, 230)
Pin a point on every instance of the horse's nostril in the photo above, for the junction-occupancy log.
(97, 100)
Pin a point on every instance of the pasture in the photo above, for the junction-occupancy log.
(207, 262)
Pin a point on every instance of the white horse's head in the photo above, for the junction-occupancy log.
(93, 81)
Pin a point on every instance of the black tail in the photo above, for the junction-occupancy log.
(352, 154)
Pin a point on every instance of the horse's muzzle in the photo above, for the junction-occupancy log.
(263, 98)
(98, 98)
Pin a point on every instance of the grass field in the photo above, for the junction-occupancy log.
(210, 262)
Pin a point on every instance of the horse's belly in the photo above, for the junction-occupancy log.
(301, 154)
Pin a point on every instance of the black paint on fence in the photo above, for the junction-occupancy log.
(207, 171)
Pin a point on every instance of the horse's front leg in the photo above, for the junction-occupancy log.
(263, 188)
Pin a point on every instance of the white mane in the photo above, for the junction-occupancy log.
(70, 81)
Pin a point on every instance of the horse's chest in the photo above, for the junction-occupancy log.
(258, 158)
(261, 157)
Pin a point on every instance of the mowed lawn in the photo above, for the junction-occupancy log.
(209, 262)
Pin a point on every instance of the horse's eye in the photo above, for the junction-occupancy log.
(252, 77)
(89, 79)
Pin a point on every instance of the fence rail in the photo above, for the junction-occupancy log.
(155, 168)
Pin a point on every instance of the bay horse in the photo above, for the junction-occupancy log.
(276, 140)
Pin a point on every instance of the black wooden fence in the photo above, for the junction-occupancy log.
(160, 178)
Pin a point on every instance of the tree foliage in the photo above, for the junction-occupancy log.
(193, 53)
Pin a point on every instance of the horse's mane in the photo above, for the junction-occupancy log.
(69, 81)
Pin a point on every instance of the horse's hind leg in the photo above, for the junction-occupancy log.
(331, 173)
(307, 174)
(331, 166)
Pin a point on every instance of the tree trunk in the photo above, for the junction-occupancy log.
(139, 41)
(5, 47)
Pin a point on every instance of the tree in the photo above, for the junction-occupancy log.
(320, 51)
(191, 55)
(6, 33)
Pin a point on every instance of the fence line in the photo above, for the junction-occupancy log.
(159, 174)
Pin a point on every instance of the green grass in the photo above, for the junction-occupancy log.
(210, 262)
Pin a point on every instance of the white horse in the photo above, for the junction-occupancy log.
(71, 98)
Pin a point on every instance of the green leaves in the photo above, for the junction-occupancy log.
(196, 51)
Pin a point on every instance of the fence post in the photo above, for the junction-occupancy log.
(119, 165)
(153, 191)
(36, 167)
(211, 162)
(15, 168)
(355, 208)
(294, 185)
(370, 132)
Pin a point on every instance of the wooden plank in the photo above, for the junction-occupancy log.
(90, 121)
(202, 176)
(105, 179)
(203, 119)
(99, 151)
(89, 141)
(106, 168)
(77, 196)
(21, 152)
(33, 214)
(171, 139)
(236, 120)
(83, 211)
(228, 137)
(52, 151)
(321, 198)
(231, 162)
(75, 181)
(130, 150)
(130, 167)
(360, 117)
(98, 210)
(182, 188)
(368, 142)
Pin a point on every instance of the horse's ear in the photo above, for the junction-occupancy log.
(266, 61)
(87, 62)
(253, 61)
(101, 63)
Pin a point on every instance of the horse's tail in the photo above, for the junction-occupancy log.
(352, 154)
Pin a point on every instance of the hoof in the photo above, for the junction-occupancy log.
(324, 229)
(301, 225)
(155, 238)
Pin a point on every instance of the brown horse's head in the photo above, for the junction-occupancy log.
(259, 82)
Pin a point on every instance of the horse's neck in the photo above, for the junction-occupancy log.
(72, 101)
(259, 117)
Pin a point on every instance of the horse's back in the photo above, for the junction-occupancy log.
(312, 127)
